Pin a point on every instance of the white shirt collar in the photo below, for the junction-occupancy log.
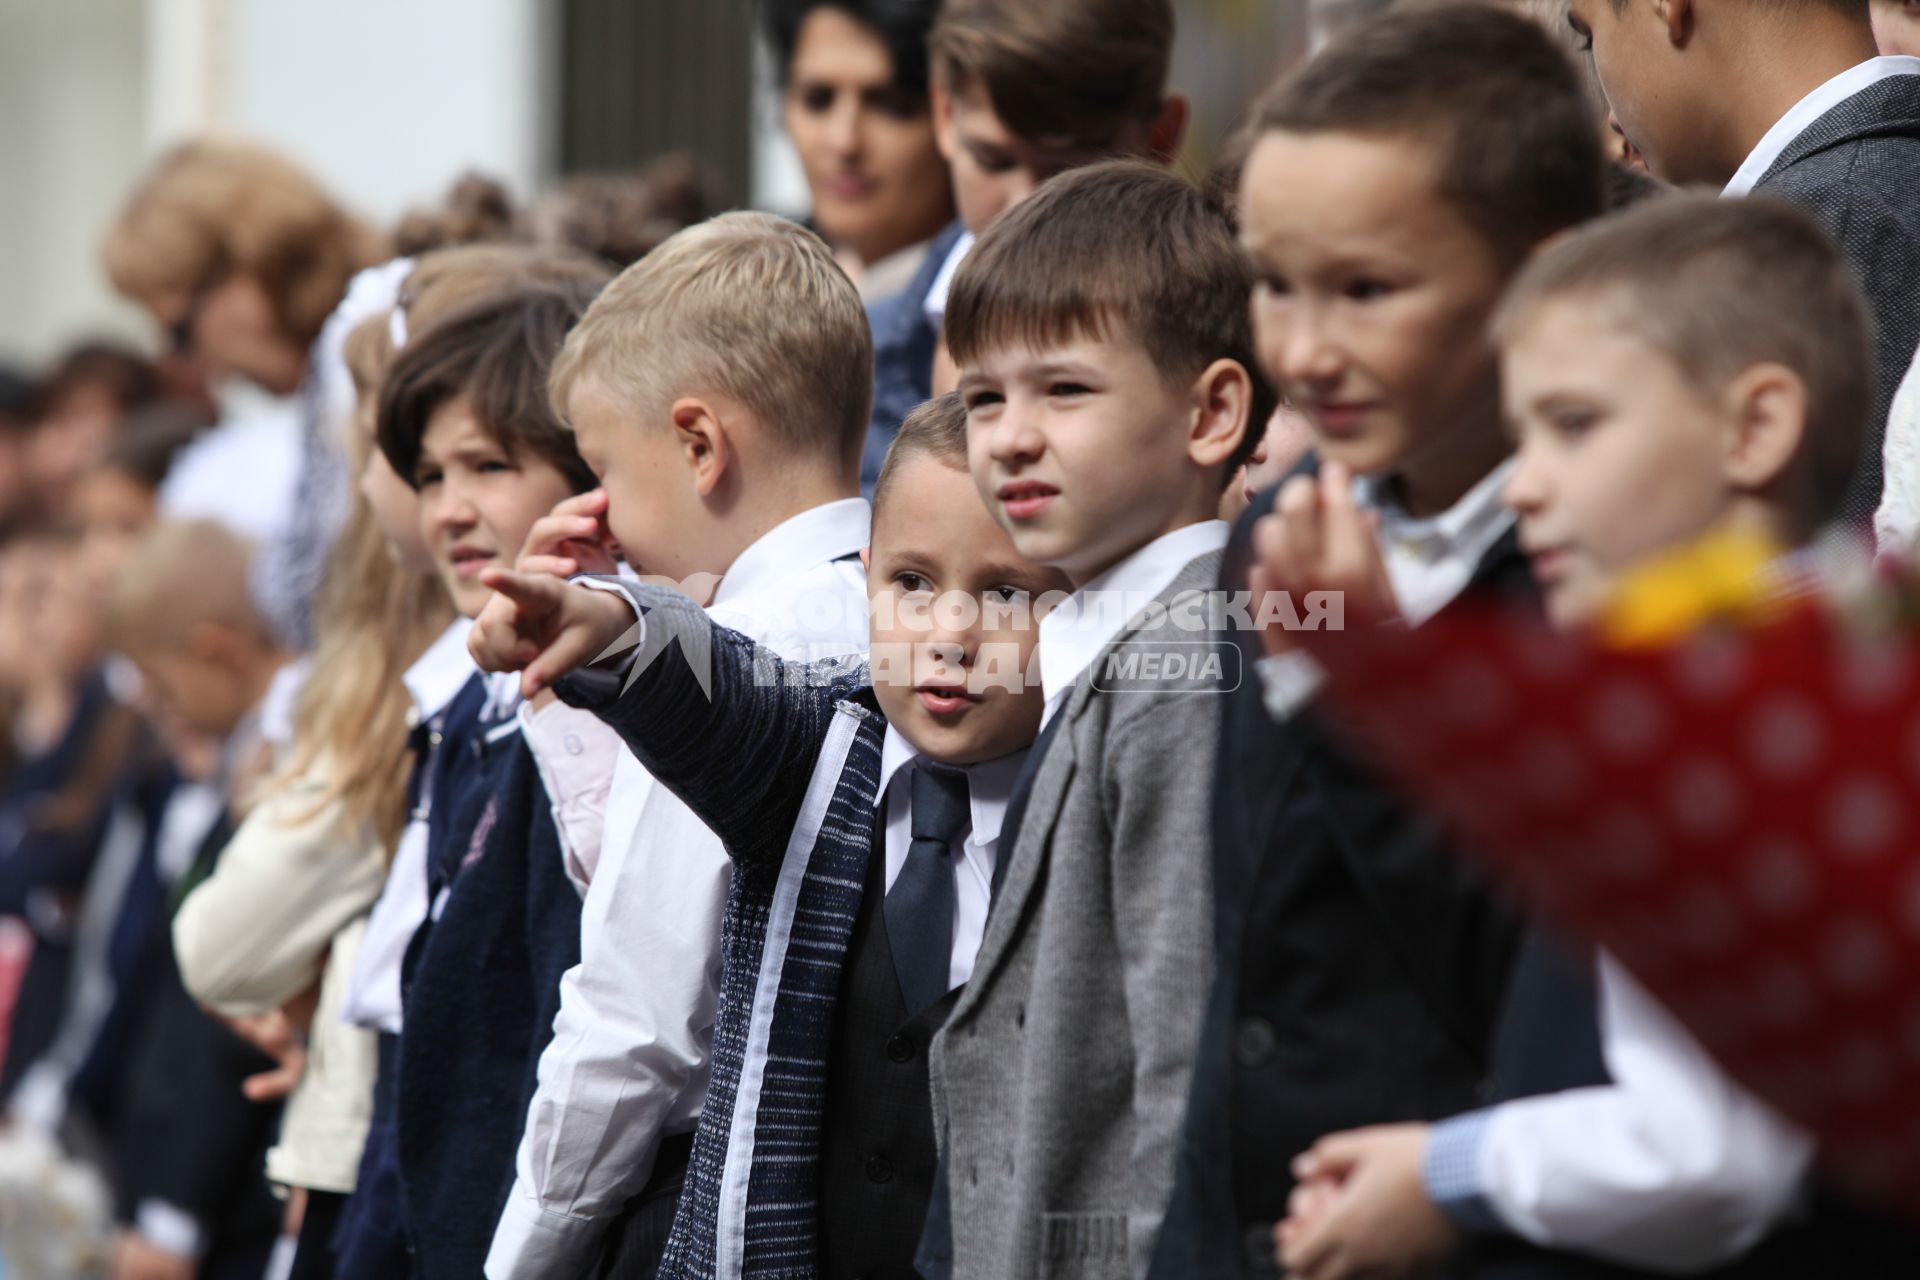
(1431, 558)
(437, 676)
(989, 783)
(935, 304)
(1073, 635)
(1809, 109)
(818, 534)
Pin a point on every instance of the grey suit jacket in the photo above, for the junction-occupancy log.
(1857, 171)
(1060, 1081)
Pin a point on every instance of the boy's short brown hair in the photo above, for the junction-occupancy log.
(746, 305)
(184, 574)
(1717, 287)
(936, 429)
(1123, 245)
(496, 352)
(1518, 154)
(1068, 75)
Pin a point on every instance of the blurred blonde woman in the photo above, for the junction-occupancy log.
(274, 937)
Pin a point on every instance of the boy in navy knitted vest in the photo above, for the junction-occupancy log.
(464, 418)
(862, 807)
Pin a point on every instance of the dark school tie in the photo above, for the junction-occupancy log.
(934, 1258)
(920, 905)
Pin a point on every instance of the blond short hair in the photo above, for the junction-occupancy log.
(183, 575)
(746, 305)
(1717, 287)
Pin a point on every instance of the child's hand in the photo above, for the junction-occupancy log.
(1317, 540)
(572, 538)
(1376, 1219)
(134, 1258)
(543, 627)
(274, 1035)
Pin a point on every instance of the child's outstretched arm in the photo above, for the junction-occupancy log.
(730, 727)
(544, 628)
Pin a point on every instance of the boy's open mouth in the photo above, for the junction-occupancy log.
(468, 561)
(945, 699)
(1024, 499)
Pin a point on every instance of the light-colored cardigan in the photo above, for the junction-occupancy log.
(286, 905)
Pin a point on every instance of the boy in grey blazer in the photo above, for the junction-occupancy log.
(1102, 333)
(1788, 100)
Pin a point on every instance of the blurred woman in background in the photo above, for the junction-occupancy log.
(854, 80)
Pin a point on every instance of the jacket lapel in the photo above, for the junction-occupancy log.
(1027, 870)
(1027, 859)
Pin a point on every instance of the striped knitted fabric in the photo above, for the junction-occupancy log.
(744, 762)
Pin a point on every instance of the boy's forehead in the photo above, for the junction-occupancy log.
(930, 507)
(1374, 187)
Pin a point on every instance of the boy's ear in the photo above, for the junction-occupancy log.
(942, 101)
(1223, 397)
(1169, 128)
(703, 442)
(1678, 16)
(1768, 404)
(866, 559)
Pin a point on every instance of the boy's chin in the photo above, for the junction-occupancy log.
(468, 595)
(980, 733)
(1363, 454)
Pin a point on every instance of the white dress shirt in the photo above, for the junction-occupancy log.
(244, 470)
(1430, 560)
(1802, 115)
(989, 787)
(1896, 525)
(373, 994)
(576, 753)
(935, 304)
(1672, 1167)
(1073, 635)
(629, 1058)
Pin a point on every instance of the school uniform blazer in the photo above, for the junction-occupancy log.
(904, 340)
(783, 763)
(1360, 972)
(1856, 170)
(1060, 1080)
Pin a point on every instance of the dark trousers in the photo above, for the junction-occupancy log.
(313, 1257)
(639, 1238)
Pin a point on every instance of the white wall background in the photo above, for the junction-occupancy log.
(387, 100)
(71, 138)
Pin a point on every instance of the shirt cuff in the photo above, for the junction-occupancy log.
(532, 1243)
(170, 1229)
(1453, 1178)
(619, 655)
(1288, 681)
(40, 1099)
